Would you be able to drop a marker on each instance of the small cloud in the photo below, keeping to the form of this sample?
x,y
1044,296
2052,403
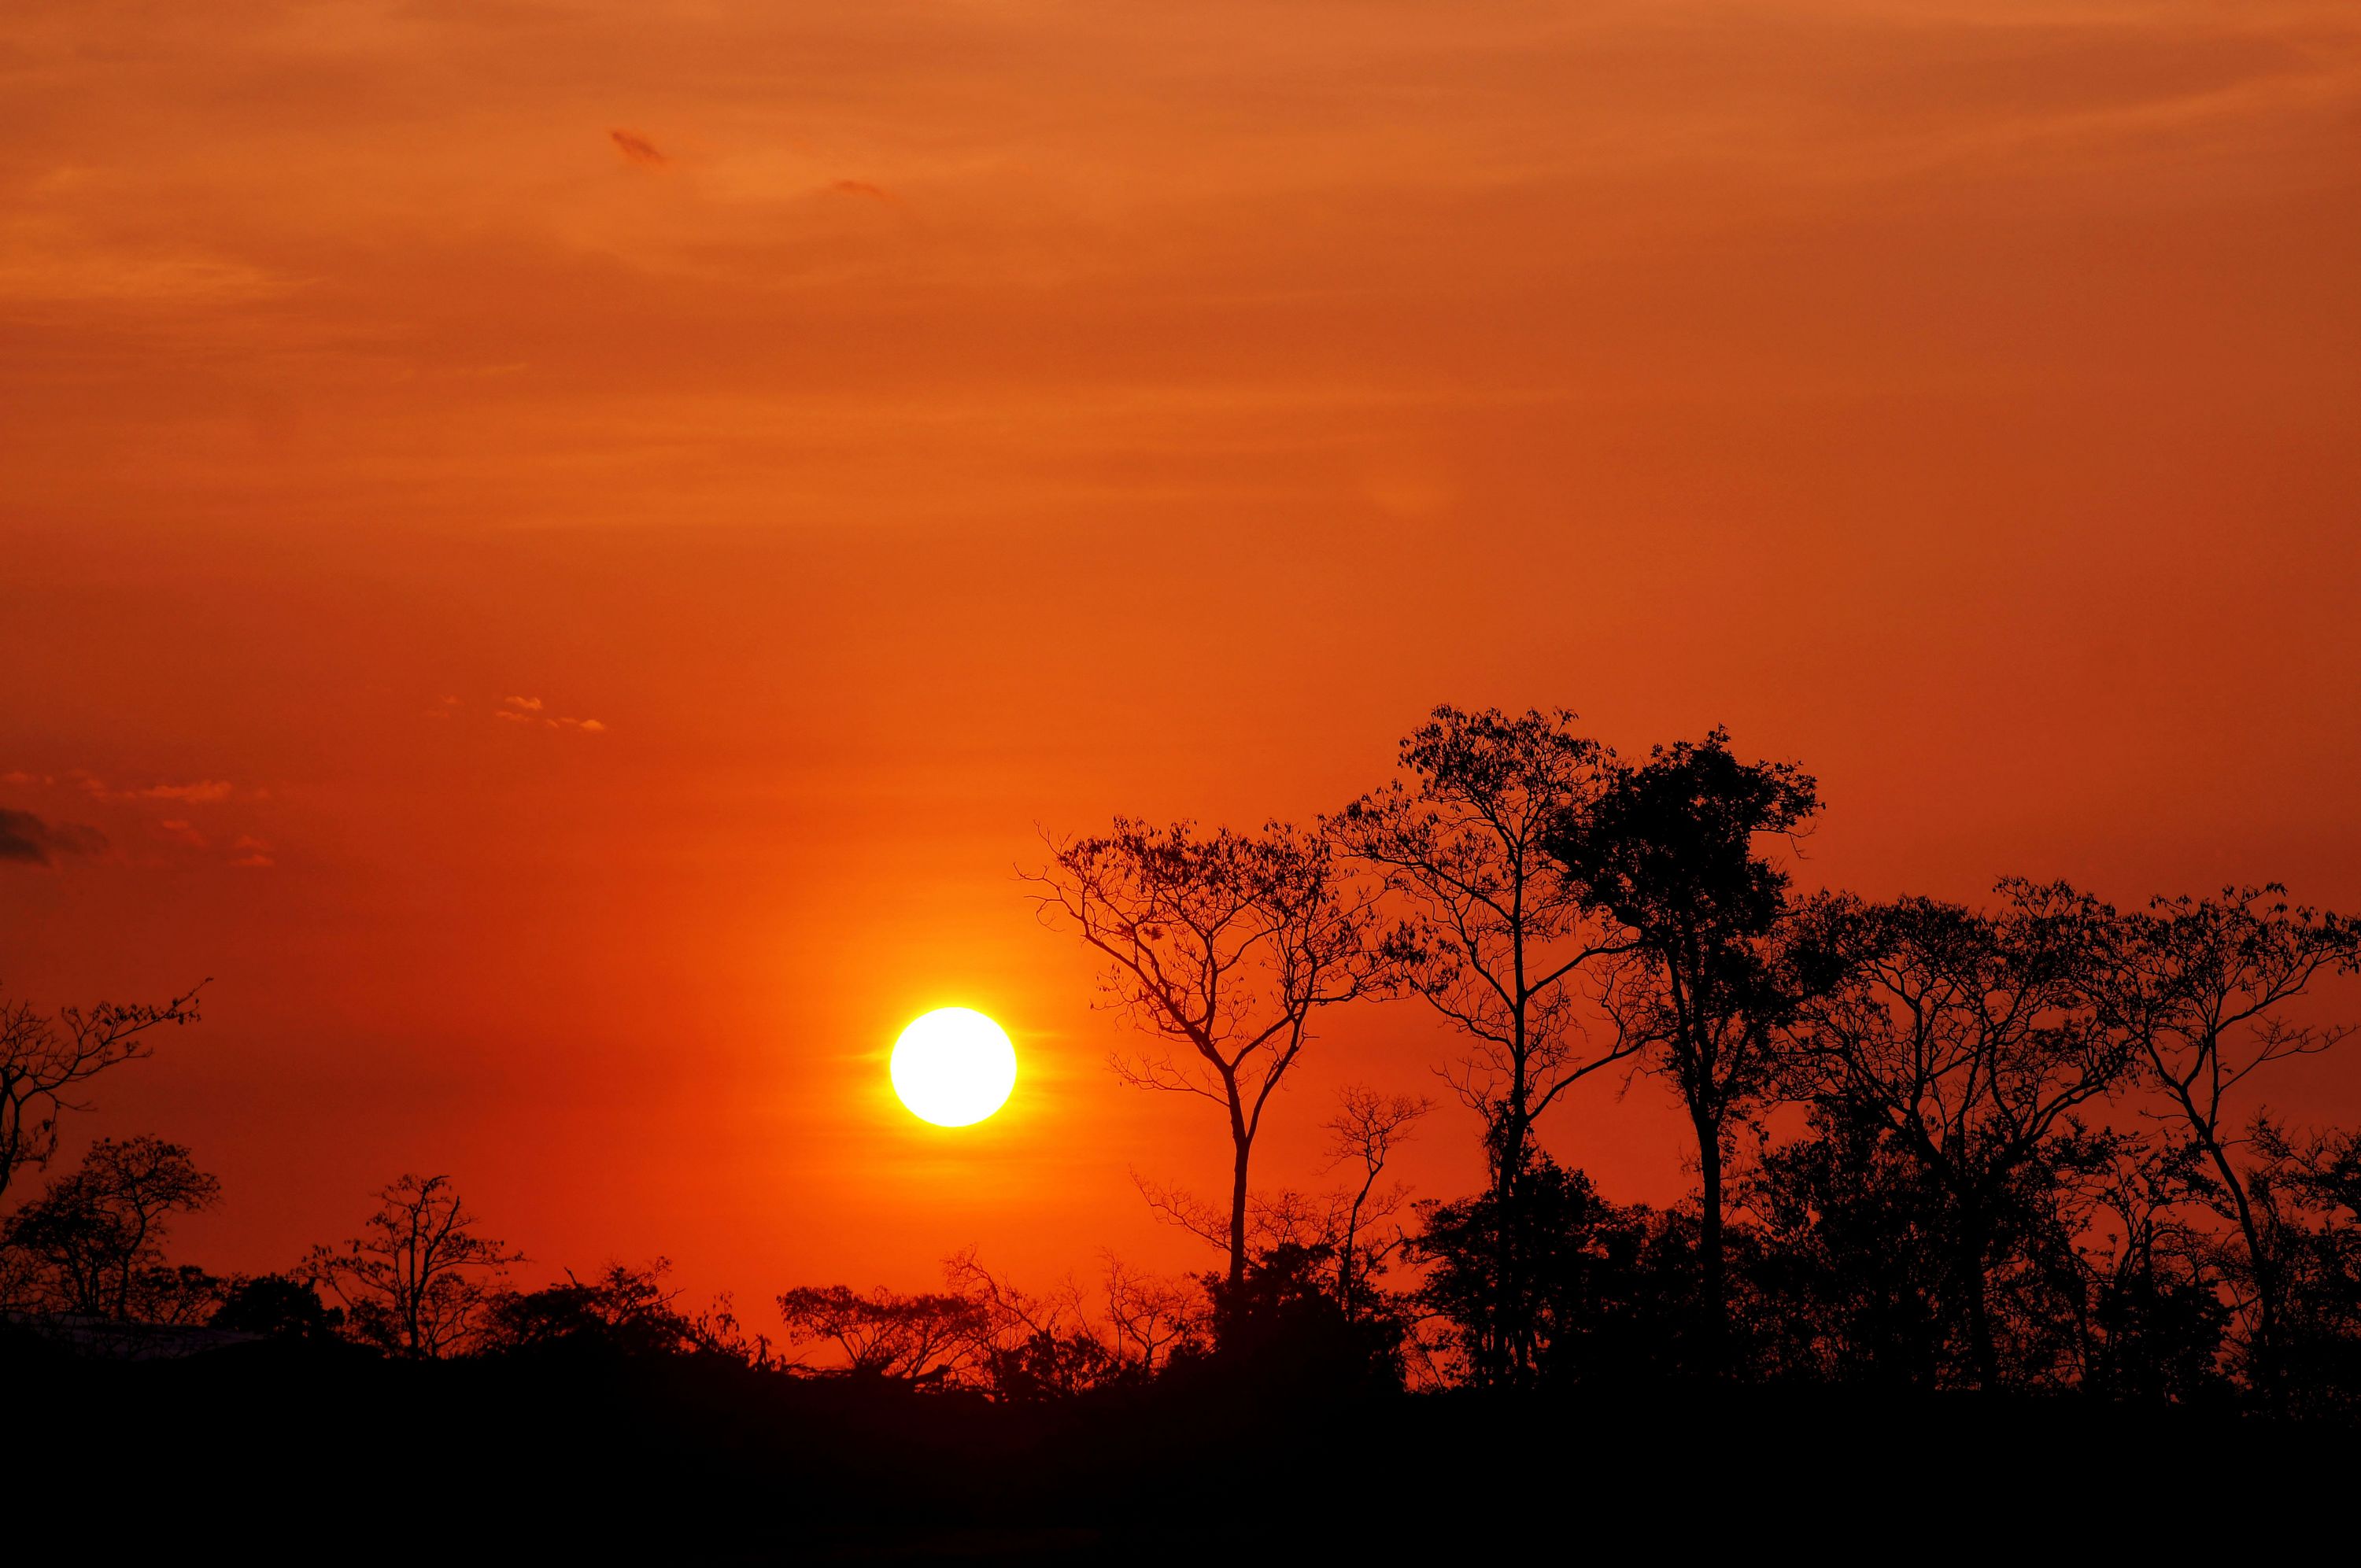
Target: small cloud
x,y
27,840
256,859
638,148
185,831
251,851
450,702
18,776
533,710
204,793
860,187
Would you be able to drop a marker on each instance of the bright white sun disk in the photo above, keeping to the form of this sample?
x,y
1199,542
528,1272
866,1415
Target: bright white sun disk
x,y
954,1066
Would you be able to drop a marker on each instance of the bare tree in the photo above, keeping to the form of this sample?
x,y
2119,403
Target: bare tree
x,y
1494,936
1150,1316
1972,1037
1363,1133
2206,988
98,1234
44,1059
1221,947
1287,1216
1031,1347
416,1282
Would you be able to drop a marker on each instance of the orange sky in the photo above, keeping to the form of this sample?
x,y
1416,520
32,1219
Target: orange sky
x,y
899,424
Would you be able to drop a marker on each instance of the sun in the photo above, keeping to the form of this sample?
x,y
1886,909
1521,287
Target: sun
x,y
954,1066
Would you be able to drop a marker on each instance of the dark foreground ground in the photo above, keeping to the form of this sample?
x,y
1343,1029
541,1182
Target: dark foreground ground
x,y
282,1454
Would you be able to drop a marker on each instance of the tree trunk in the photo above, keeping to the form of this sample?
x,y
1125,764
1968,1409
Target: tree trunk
x,y
1238,1215
1508,1333
1982,1352
1712,1287
2259,1258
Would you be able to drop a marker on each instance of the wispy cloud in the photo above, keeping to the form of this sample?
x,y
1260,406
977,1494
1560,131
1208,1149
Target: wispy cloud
x,y
860,187
27,839
251,852
200,791
638,148
533,710
203,792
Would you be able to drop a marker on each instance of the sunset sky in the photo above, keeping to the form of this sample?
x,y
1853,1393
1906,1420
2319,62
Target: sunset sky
x,y
561,552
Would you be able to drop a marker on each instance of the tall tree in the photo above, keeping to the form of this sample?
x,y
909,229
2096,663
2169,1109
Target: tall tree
x,y
2206,988
417,1281
1495,938
1671,849
45,1059
1972,1037
1221,947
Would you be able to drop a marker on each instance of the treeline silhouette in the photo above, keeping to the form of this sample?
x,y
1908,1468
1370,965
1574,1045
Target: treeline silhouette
x,y
1985,1177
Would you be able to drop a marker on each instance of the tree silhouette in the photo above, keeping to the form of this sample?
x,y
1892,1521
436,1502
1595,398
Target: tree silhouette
x,y
416,1281
882,1333
1149,1317
43,1058
277,1306
2206,985
1224,946
1604,1286
1283,1330
98,1234
1669,850
1493,936
1363,1133
2151,1327
1032,1348
619,1314
1857,1258
1972,1037
2309,1191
